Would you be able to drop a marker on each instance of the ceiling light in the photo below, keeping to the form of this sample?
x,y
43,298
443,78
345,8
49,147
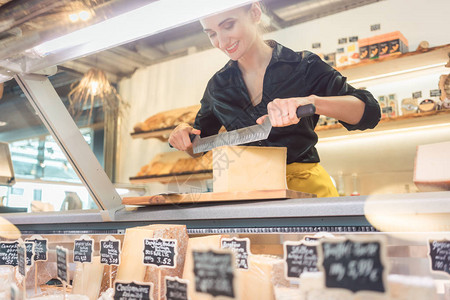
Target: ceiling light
x,y
74,18
147,20
3,123
84,15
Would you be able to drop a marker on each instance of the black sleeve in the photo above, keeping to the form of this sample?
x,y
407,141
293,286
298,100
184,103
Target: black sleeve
x,y
323,80
206,121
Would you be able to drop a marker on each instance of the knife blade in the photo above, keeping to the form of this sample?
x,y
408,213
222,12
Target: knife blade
x,y
243,135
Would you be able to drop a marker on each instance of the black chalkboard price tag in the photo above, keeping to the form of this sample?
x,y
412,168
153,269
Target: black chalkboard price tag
x,y
82,249
62,264
133,290
8,254
214,272
21,258
160,252
176,289
354,264
30,253
241,250
110,251
40,247
300,257
439,254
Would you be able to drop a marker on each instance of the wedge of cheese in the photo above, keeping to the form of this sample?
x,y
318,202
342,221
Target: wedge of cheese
x,y
245,168
132,266
265,272
88,278
287,293
212,242
402,287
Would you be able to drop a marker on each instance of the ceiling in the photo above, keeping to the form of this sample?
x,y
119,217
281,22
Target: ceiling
x,y
19,17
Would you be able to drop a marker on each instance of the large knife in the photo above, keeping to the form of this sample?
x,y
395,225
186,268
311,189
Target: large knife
x,y
243,135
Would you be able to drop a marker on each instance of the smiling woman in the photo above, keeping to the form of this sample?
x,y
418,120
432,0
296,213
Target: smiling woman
x,y
264,79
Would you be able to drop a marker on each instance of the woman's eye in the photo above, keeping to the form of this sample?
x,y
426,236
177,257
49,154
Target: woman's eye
x,y
229,25
211,35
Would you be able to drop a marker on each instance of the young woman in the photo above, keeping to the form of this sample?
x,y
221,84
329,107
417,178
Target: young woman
x,y
264,79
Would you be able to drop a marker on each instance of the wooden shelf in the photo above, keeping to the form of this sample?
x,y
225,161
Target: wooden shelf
x,y
405,121
178,177
396,63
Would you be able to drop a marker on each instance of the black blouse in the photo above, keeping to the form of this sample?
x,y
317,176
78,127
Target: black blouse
x,y
289,74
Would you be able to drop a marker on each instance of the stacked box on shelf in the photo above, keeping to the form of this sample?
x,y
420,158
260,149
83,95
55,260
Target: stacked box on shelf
x,y
383,45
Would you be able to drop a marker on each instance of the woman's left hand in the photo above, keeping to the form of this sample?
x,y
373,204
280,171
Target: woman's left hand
x,y
283,112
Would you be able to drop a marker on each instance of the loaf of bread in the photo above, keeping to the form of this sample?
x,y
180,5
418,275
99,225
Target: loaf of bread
x,y
167,119
161,165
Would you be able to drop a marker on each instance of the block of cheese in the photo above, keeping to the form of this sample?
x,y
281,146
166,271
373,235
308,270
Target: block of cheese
x,y
287,293
176,232
447,291
402,287
432,167
132,255
88,278
212,242
246,168
6,276
132,267
264,273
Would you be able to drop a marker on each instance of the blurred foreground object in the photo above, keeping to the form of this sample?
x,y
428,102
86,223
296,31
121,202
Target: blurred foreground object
x,y
432,167
8,230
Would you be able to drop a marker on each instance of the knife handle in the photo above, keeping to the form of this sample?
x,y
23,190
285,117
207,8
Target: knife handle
x,y
191,137
306,110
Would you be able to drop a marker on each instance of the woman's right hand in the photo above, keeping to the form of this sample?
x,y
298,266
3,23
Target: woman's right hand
x,y
179,138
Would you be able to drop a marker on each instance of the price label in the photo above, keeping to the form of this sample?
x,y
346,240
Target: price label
x,y
110,251
8,254
40,247
30,253
133,291
417,95
435,93
300,257
82,249
160,252
354,265
176,289
439,254
214,272
62,264
241,250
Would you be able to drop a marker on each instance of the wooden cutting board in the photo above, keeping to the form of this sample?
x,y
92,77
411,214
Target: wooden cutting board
x,y
163,199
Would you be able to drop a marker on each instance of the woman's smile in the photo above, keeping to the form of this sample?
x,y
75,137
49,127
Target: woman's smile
x,y
233,48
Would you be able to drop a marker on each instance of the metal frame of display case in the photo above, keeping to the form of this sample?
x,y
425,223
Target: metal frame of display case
x,y
424,212
50,108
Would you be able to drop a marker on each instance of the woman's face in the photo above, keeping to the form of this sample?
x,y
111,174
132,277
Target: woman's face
x,y
233,32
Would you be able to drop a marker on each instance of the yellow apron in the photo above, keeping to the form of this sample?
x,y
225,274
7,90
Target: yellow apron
x,y
310,178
